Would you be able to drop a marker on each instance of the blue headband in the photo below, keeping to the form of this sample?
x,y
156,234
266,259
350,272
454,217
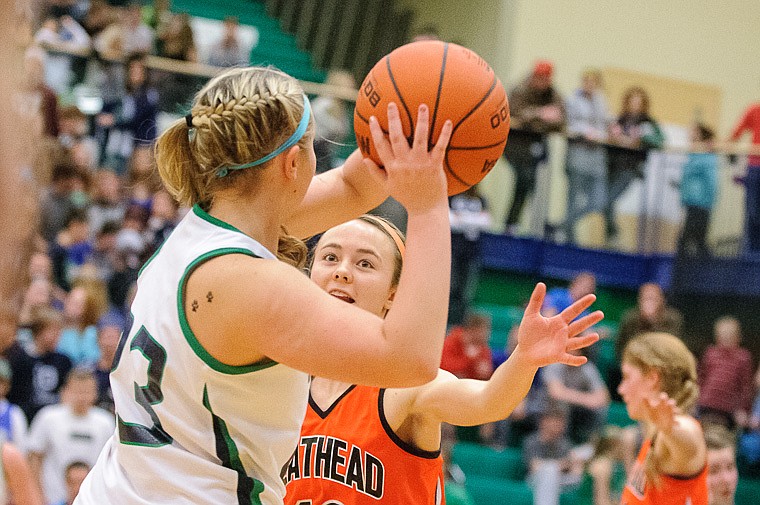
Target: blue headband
x,y
291,141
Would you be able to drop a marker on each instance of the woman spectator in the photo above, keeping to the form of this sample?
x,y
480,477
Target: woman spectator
x,y
87,301
175,39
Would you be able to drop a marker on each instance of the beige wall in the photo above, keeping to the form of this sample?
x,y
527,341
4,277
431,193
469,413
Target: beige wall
x,y
708,43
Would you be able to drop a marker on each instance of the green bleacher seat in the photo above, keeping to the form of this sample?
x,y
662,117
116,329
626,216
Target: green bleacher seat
x,y
748,492
617,415
479,460
492,491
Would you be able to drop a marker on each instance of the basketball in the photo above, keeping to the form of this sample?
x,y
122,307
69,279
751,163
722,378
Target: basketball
x,y
456,84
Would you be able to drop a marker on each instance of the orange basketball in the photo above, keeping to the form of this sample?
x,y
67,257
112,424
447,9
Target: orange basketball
x,y
456,84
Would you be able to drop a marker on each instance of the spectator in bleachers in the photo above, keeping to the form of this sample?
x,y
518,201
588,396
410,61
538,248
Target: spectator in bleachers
x,y
164,215
39,373
586,160
558,299
56,203
127,36
582,393
108,203
73,134
105,254
64,33
725,377
71,249
229,51
13,425
332,121
131,121
469,217
38,295
750,122
74,476
536,108
632,135
85,304
699,189
722,474
110,327
466,353
175,38
74,430
552,465
37,95
604,476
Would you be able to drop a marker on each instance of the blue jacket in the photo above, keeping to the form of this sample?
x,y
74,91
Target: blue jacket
x,y
699,183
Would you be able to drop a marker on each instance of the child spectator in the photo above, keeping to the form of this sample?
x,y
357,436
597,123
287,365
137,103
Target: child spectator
x,y
12,419
75,475
465,351
73,431
722,474
725,377
72,248
699,187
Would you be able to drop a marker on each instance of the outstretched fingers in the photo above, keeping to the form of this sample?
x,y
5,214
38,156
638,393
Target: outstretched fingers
x,y
584,323
536,300
439,150
576,343
573,360
577,308
421,130
399,143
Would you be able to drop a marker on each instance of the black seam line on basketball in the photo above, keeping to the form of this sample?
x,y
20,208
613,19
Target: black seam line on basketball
x,y
473,148
485,97
367,121
447,167
398,93
438,94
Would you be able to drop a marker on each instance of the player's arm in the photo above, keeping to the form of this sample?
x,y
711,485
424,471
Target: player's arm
x,y
541,341
338,195
18,477
679,437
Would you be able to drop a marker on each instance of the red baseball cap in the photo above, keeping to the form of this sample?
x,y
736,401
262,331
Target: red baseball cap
x,y
543,68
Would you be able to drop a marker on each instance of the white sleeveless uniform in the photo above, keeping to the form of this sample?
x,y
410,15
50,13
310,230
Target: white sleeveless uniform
x,y
192,430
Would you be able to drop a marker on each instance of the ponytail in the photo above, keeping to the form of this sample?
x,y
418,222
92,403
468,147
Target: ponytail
x,y
178,169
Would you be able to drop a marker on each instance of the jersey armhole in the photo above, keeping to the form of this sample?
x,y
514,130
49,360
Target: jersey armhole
x,y
405,446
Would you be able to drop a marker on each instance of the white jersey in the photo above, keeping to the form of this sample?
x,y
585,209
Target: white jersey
x,y
190,429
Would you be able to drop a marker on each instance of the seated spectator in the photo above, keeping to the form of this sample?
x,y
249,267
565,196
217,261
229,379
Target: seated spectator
x,y
699,189
553,467
722,474
604,477
13,424
57,204
38,295
38,373
175,38
468,213
99,16
110,327
105,254
725,377
229,50
72,248
108,203
465,351
84,306
127,36
582,393
558,299
73,431
75,475
164,215
64,33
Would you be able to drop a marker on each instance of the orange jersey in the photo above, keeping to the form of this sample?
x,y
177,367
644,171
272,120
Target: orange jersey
x,y
673,491
349,455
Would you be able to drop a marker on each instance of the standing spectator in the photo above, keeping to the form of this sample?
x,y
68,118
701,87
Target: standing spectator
x,y
552,465
86,302
750,122
699,187
631,137
229,50
12,419
582,393
725,377
74,476
39,373
73,431
469,217
332,120
722,474
131,122
536,109
586,162
465,351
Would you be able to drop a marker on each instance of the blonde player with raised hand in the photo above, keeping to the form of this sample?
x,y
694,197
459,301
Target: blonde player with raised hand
x,y
211,382
366,445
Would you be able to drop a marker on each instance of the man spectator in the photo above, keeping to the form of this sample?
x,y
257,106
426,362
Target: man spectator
x,y
465,351
750,122
56,204
229,50
722,474
552,465
72,431
725,377
536,109
110,328
72,248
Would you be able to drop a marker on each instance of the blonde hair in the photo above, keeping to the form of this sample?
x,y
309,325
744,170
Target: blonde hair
x,y
240,116
676,367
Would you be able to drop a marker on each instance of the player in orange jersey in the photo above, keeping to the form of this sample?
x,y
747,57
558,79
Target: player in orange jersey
x,y
659,387
366,445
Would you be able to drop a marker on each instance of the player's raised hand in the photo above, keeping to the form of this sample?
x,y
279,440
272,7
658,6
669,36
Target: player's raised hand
x,y
662,411
547,340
